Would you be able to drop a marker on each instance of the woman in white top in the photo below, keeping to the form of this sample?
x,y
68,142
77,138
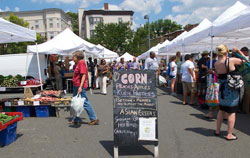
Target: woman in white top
x,y
173,73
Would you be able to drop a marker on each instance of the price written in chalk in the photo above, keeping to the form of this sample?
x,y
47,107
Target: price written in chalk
x,y
20,103
2,89
23,83
36,103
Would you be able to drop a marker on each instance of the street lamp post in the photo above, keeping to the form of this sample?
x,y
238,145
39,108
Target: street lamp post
x,y
147,17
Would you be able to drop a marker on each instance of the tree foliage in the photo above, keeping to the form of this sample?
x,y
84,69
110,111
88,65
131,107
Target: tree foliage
x,y
161,27
14,48
74,16
114,36
121,38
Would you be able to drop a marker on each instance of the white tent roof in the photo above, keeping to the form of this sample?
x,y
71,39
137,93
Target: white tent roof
x,y
126,57
10,32
147,53
234,18
231,28
63,43
172,44
106,53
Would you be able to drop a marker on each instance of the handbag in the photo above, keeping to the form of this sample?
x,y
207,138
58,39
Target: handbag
x,y
234,81
212,94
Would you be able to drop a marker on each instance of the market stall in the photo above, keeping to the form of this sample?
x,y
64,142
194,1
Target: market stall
x,y
10,33
127,57
44,104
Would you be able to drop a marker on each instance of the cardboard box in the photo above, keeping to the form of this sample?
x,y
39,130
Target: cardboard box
x,y
69,74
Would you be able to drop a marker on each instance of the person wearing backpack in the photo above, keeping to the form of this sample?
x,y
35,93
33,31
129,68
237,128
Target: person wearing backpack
x,y
230,82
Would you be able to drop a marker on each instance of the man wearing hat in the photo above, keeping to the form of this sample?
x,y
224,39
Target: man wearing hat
x,y
203,69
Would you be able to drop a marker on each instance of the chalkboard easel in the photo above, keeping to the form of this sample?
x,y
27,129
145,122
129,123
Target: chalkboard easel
x,y
135,109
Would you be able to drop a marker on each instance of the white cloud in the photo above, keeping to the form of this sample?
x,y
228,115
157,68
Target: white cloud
x,y
61,1
194,11
16,9
5,10
135,25
197,15
143,6
113,7
86,3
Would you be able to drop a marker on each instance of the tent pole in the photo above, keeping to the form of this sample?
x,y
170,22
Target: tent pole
x,y
39,69
26,68
211,59
183,54
84,54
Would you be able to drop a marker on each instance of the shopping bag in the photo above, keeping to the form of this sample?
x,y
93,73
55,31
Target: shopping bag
x,y
162,80
77,105
212,94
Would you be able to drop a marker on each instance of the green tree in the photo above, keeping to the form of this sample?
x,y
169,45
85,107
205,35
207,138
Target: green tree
x,y
14,48
74,16
114,36
157,28
140,40
161,27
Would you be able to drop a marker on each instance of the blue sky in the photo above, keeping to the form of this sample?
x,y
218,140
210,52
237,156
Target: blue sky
x,y
181,11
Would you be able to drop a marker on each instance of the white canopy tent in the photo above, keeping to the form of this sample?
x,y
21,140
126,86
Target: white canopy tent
x,y
10,33
106,53
64,43
126,56
147,53
207,35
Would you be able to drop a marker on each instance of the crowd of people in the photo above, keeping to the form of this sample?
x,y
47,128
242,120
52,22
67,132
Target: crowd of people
x,y
185,75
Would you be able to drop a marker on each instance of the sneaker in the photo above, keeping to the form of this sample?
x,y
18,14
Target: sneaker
x,y
94,122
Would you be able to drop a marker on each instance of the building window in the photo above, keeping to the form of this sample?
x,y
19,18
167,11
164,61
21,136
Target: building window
x,y
51,35
119,19
37,24
92,33
95,20
50,23
58,23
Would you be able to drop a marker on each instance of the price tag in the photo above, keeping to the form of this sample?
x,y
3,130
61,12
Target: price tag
x,y
2,89
20,103
23,83
36,103
7,103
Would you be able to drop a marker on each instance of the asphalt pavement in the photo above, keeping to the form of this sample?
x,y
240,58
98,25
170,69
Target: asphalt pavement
x,y
183,133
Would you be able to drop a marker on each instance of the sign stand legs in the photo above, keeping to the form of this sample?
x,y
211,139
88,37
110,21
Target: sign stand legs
x,y
116,154
156,150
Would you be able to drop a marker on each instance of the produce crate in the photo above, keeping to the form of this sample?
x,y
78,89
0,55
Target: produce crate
x,y
42,111
8,135
9,109
26,110
4,126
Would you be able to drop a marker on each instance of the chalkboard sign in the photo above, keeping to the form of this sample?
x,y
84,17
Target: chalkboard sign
x,y
135,107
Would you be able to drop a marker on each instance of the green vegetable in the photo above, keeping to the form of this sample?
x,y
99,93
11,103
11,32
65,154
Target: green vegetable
x,y
5,118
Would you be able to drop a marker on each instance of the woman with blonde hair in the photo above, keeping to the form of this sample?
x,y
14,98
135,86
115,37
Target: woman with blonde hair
x,y
228,97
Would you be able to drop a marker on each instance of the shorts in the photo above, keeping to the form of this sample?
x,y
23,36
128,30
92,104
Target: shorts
x,y
172,77
229,109
189,87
